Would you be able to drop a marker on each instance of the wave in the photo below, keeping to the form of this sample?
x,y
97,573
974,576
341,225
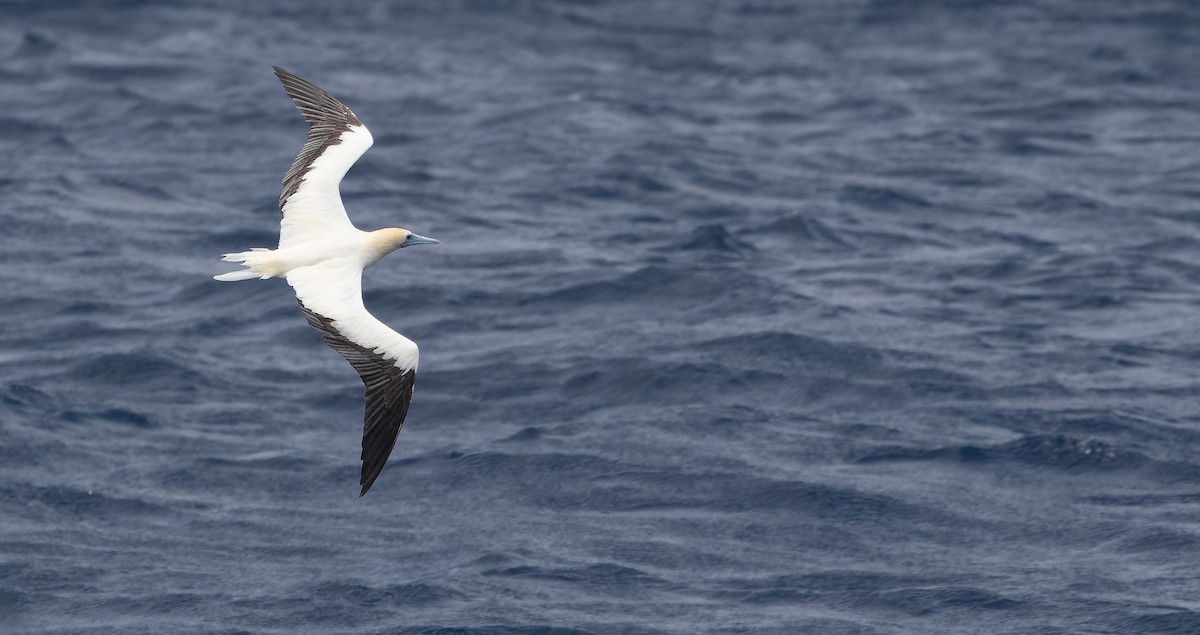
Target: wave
x,y
145,369
663,286
1058,452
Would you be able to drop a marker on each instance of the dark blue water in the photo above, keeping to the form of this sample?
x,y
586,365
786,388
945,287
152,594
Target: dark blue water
x,y
750,317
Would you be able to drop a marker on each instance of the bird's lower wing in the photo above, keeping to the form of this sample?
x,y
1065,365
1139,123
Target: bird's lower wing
x,y
330,296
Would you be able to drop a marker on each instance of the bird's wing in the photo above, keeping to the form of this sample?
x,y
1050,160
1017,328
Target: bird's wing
x,y
310,201
330,295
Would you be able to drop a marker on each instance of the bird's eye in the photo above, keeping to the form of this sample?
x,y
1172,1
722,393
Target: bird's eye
x,y
408,237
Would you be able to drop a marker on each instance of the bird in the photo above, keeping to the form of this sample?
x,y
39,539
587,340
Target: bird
x,y
322,255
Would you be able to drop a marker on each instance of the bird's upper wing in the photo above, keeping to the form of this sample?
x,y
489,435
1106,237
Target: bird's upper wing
x,y
310,201
330,295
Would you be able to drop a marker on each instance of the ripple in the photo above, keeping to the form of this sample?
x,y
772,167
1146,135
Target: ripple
x,y
1047,451
141,369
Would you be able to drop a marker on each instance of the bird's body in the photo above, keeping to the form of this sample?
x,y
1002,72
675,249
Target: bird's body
x,y
362,248
322,256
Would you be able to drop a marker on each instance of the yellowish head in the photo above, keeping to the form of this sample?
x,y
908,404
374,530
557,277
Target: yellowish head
x,y
393,238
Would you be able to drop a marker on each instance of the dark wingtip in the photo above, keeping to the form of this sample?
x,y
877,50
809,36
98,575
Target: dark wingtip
x,y
368,481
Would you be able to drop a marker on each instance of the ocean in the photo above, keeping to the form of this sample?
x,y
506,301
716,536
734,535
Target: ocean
x,y
750,317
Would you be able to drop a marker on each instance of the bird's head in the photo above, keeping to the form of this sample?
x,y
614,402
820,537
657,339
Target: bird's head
x,y
391,239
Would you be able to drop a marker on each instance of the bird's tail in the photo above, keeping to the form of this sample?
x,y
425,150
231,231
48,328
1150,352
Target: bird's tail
x,y
259,264
234,276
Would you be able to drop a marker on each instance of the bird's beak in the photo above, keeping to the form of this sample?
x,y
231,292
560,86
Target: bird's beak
x,y
416,239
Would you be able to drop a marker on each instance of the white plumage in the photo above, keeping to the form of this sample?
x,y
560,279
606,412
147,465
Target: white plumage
x,y
322,256
333,289
316,206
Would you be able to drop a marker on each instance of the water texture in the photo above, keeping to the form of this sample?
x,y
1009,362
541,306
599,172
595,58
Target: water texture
x,y
846,317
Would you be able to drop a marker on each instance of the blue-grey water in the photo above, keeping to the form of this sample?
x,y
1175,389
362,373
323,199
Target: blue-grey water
x,y
848,317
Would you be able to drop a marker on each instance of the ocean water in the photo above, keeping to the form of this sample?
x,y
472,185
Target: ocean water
x,y
834,317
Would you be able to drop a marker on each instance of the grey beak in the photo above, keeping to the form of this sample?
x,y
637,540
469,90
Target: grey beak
x,y
416,239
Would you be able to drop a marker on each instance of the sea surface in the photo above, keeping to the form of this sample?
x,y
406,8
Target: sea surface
x,y
750,317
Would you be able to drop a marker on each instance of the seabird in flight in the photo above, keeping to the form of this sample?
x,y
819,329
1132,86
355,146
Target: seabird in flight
x,y
322,256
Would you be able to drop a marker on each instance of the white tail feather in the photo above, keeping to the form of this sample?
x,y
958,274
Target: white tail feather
x,y
234,276
260,263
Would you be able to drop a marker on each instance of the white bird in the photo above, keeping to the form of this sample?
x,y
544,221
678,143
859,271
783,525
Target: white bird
x,y
322,256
